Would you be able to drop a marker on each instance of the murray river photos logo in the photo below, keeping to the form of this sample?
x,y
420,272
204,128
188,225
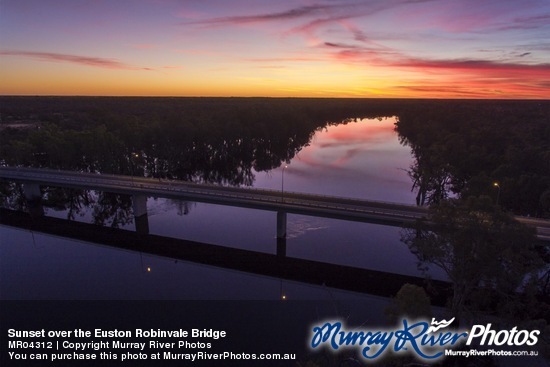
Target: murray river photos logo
x,y
428,341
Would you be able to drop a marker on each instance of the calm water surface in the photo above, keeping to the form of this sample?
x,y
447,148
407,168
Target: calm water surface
x,y
360,159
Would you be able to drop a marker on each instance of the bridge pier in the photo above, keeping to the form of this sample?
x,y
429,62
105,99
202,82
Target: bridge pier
x,y
32,191
139,206
281,224
34,198
281,247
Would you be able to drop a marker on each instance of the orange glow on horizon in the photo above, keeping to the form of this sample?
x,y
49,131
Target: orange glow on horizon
x,y
116,83
282,49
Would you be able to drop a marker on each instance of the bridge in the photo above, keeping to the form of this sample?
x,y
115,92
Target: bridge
x,y
277,201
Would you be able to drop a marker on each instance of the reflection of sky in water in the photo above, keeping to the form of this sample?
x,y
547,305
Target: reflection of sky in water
x,y
39,266
341,242
361,159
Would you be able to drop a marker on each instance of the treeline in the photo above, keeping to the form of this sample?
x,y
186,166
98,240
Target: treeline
x,y
474,148
461,147
217,140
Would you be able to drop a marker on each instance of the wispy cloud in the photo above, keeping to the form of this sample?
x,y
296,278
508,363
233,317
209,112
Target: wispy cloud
x,y
304,47
308,20
356,33
294,13
479,66
446,90
383,56
74,59
527,22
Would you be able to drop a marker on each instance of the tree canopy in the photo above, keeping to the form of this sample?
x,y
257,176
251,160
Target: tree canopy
x,y
482,250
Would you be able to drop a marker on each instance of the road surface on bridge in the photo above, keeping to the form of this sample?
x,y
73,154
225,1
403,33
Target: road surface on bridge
x,y
290,202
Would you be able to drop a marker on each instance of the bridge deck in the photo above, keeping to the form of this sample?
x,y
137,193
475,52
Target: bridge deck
x,y
290,202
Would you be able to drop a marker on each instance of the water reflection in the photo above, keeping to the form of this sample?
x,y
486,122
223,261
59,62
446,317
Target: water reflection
x,y
116,274
360,159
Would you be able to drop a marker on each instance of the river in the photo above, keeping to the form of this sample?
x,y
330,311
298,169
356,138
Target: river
x,y
360,159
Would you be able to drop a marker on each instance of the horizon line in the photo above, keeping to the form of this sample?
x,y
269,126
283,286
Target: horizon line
x,y
269,97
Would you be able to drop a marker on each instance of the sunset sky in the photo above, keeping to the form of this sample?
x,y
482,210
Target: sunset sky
x,y
297,48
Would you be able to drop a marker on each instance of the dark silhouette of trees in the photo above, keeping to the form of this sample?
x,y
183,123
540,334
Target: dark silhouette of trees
x,y
485,252
462,147
214,140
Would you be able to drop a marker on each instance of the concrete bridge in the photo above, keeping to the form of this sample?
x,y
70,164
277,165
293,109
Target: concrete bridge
x,y
277,201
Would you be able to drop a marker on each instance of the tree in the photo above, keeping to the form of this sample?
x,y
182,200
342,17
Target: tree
x,y
410,302
478,246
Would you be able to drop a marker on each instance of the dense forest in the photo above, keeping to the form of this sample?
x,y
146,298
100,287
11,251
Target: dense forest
x,y
203,140
461,147
473,148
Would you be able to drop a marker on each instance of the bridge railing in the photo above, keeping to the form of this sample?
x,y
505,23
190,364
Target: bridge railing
x,y
267,192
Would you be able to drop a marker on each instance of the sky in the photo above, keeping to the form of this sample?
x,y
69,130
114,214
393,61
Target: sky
x,y
285,48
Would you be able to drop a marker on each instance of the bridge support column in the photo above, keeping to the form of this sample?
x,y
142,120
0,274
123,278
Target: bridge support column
x,y
139,205
32,191
281,224
34,198
281,247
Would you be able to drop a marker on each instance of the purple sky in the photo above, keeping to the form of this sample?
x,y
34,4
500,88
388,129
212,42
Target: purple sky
x,y
389,48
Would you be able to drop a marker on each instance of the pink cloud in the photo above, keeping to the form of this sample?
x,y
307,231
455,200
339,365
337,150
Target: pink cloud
x,y
446,91
311,18
476,86
383,56
75,59
479,66
531,22
277,16
478,79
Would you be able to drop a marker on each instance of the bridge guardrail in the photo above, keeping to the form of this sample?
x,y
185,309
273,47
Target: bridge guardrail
x,y
269,192
160,188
